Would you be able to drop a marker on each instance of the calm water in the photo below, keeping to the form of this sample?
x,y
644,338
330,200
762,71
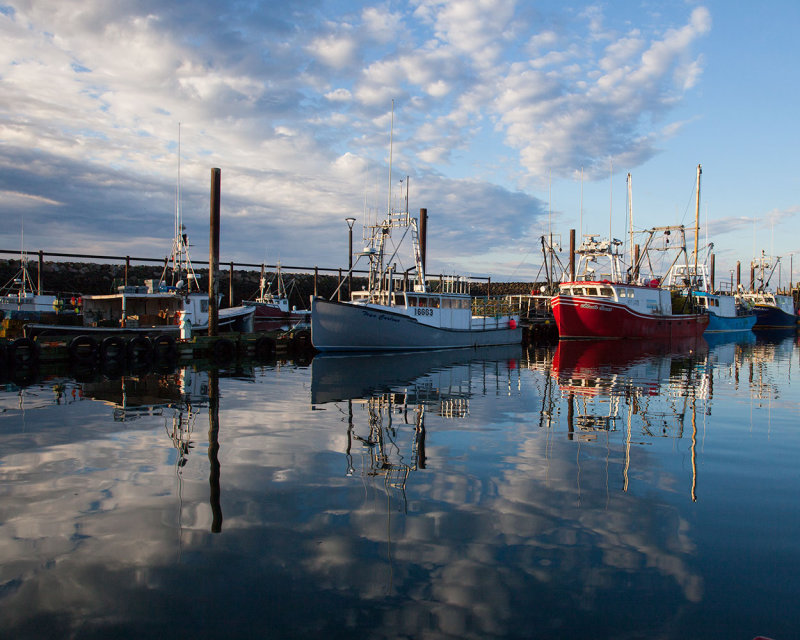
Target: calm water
x,y
592,490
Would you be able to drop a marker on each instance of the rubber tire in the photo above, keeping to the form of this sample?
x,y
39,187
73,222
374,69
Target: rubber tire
x,y
265,348
223,351
164,347
23,351
113,349
139,349
83,349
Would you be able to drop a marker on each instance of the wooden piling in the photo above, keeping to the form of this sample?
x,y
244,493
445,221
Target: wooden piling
x,y
423,236
213,255
572,255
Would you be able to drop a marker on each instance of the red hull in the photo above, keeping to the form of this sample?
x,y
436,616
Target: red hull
x,y
585,317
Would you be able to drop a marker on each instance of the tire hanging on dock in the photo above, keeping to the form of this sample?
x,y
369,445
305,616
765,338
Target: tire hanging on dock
x,y
265,348
223,351
23,351
139,349
113,349
164,347
83,349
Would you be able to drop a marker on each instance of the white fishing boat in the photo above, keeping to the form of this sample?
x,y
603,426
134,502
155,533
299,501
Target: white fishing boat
x,y
393,313
18,297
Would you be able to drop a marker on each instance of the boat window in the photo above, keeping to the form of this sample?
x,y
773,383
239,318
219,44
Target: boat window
x,y
591,291
621,293
606,292
412,301
702,302
578,291
204,306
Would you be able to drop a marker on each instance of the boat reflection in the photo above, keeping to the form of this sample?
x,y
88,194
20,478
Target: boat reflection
x,y
387,392
341,377
647,387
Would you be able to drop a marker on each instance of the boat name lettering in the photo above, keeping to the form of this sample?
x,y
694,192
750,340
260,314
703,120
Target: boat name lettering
x,y
598,307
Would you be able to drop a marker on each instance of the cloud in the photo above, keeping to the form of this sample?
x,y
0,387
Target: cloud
x,y
489,95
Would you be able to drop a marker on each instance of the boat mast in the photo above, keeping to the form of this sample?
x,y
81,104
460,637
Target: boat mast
x,y
697,221
630,216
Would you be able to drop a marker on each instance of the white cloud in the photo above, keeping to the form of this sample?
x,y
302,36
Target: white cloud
x,y
334,51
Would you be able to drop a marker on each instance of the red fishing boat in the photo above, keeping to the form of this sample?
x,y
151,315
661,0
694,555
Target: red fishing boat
x,y
605,302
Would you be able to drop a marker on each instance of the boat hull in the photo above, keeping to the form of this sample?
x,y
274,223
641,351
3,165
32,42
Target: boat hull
x,y
338,326
718,324
769,317
582,317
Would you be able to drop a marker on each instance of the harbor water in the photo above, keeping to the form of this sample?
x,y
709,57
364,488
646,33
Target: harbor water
x,y
614,489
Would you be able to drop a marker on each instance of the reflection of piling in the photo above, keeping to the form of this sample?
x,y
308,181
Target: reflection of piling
x,y
213,451
213,257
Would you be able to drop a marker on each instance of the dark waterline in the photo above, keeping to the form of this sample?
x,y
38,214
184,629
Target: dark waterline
x,y
589,490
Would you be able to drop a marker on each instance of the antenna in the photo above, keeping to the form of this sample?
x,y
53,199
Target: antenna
x,y
391,142
580,225
610,197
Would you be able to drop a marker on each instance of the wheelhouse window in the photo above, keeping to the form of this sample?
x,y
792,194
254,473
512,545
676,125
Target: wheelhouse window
x,y
606,292
578,291
591,291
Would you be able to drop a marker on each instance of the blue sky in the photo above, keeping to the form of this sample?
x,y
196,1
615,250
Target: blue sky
x,y
499,108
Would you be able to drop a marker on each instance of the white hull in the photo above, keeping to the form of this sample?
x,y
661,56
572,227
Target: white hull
x,y
338,326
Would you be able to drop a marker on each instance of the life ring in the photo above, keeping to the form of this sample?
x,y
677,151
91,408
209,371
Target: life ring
x,y
265,348
112,349
83,349
164,347
23,351
223,351
139,348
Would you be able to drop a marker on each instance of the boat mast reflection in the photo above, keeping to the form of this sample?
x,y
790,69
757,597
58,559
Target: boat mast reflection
x,y
653,385
391,394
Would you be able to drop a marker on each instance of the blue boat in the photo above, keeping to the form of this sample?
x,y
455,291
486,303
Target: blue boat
x,y
773,310
724,312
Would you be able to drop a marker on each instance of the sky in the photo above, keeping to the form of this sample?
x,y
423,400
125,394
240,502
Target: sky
x,y
507,120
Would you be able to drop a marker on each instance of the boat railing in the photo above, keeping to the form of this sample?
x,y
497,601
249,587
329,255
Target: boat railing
x,y
492,307
531,306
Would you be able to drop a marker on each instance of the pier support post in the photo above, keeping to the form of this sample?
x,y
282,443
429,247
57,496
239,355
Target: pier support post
x,y
713,269
423,237
39,273
230,290
572,255
213,257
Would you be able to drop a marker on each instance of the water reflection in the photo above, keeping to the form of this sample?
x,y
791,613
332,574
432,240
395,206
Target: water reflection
x,y
581,490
